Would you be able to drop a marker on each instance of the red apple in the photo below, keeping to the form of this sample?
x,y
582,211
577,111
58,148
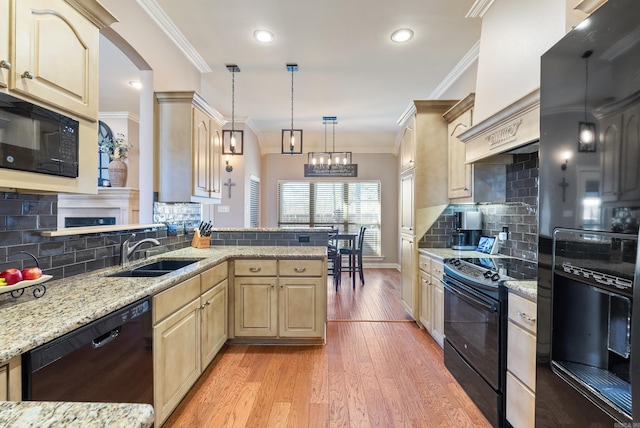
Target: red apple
x,y
12,275
31,273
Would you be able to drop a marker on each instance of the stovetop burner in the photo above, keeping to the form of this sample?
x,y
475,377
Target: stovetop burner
x,y
491,270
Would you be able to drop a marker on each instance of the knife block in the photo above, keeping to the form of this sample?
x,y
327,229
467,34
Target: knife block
x,y
200,241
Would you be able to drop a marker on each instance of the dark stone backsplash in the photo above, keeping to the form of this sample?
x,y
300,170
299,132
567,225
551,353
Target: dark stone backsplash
x,y
519,213
23,217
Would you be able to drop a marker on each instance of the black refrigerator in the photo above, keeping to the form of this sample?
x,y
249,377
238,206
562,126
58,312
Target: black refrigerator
x,y
588,342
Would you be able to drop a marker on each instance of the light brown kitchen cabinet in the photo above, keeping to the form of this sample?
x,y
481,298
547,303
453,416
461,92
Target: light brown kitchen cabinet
x,y
65,78
5,59
406,203
214,303
291,304
409,289
11,380
521,362
190,327
483,181
426,298
620,154
423,188
187,173
408,145
459,118
34,68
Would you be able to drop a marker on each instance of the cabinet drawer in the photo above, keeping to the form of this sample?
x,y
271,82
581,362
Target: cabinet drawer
x,y
437,269
175,298
522,312
521,403
256,267
424,263
300,267
213,276
521,354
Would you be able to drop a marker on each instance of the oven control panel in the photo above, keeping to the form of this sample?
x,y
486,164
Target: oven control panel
x,y
471,272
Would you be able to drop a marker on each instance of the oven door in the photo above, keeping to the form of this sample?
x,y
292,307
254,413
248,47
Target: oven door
x,y
472,327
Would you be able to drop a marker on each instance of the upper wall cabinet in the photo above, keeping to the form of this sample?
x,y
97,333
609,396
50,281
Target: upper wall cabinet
x,y
408,145
54,57
459,119
49,56
5,61
188,143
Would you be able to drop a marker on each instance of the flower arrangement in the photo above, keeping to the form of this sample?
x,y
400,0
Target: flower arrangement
x,y
117,148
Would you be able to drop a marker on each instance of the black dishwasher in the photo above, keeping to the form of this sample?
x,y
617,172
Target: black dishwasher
x,y
107,360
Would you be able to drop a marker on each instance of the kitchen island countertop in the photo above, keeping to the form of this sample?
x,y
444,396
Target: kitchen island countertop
x,y
72,302
75,415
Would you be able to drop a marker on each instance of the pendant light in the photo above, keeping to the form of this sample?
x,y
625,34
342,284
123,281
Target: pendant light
x,y
232,140
330,163
586,129
291,138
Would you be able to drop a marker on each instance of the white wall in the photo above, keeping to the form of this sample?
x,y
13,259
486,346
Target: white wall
x,y
371,166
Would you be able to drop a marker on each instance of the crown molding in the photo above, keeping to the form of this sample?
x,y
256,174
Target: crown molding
x,y
467,60
153,9
479,8
118,115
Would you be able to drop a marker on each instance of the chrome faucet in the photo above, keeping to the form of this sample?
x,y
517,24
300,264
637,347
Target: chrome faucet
x,y
126,251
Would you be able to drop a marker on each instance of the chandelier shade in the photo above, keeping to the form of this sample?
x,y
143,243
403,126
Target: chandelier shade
x,y
291,138
586,129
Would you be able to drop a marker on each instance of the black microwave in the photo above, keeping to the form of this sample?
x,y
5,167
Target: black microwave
x,y
35,139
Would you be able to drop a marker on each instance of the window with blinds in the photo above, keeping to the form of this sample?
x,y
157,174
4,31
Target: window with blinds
x,y
343,205
254,202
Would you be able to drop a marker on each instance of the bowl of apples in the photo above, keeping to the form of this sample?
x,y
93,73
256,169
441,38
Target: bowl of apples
x,y
15,280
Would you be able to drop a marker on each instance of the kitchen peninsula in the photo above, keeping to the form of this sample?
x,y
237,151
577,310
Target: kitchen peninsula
x,y
76,301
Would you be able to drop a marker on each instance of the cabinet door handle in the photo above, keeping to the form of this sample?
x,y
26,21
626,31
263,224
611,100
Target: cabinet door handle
x,y
300,269
208,303
27,75
255,269
5,64
273,285
527,317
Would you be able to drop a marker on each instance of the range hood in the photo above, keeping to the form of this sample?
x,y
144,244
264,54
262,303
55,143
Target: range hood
x,y
514,35
515,129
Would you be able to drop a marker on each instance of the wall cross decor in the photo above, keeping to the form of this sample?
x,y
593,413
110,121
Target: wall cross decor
x,y
229,184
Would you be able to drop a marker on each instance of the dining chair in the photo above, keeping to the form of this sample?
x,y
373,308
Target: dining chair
x,y
335,259
356,257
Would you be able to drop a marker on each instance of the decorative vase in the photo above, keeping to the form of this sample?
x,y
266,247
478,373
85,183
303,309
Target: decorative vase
x,y
117,173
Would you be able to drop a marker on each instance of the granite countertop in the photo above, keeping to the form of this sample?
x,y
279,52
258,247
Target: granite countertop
x,y
70,303
75,415
527,289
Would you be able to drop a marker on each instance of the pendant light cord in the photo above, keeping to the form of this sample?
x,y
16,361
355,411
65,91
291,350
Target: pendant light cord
x,y
233,101
292,100
586,56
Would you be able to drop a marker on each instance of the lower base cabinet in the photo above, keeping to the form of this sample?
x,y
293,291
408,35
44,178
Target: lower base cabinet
x,y
432,297
190,326
11,380
521,362
280,298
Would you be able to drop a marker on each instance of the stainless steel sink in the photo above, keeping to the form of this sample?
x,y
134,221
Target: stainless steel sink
x,y
157,268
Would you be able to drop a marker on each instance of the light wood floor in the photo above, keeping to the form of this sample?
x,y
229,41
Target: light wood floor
x,y
378,369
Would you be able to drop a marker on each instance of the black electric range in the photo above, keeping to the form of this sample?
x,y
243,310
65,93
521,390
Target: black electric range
x,y
490,272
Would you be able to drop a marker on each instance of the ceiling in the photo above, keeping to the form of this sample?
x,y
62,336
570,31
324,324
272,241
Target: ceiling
x,y
348,65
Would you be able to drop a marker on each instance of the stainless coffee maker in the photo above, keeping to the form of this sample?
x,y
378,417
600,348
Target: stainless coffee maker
x,y
468,230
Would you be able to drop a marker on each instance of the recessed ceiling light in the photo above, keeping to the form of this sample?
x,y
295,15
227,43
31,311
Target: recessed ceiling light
x,y
135,84
402,35
263,36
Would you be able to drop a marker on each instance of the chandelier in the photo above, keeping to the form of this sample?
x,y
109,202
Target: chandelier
x,y
330,163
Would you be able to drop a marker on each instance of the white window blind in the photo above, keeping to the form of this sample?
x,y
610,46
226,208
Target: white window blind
x,y
254,202
344,205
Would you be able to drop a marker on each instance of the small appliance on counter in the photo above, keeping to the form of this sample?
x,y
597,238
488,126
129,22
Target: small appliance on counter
x,y
468,230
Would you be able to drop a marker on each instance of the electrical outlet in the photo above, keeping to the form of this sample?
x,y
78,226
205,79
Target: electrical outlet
x,y
223,208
